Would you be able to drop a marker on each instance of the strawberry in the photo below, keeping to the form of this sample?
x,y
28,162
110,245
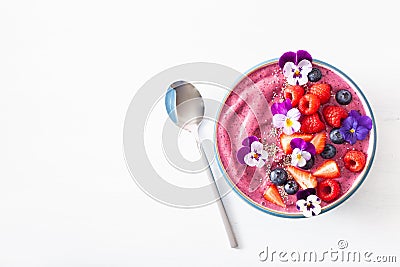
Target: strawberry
x,y
294,93
354,160
328,169
322,90
309,104
272,195
285,140
312,124
319,141
304,178
328,190
334,114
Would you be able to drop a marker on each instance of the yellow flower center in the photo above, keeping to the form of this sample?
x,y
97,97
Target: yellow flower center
x,y
352,130
289,122
298,156
297,73
255,156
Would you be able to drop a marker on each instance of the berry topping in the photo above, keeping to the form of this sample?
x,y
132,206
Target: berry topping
x,y
286,139
272,195
304,178
322,90
314,75
354,160
309,104
336,137
319,141
329,151
309,163
328,169
328,190
312,124
334,114
278,176
343,97
294,93
291,187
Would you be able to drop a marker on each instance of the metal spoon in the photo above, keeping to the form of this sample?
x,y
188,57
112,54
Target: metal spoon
x,y
185,107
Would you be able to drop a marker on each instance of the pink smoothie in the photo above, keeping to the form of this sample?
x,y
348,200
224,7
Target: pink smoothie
x,y
247,112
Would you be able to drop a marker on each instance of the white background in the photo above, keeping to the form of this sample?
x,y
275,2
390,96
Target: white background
x,y
68,71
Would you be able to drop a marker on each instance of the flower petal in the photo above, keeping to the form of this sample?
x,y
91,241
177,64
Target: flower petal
x,y
347,123
355,114
249,160
278,120
248,140
314,199
243,151
299,143
288,69
308,213
264,154
361,132
310,148
288,104
365,121
281,108
288,130
256,147
302,162
316,210
301,204
306,155
260,163
293,114
296,126
305,67
302,54
303,194
287,57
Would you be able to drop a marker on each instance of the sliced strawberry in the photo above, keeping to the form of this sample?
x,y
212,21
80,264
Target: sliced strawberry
x,y
334,114
319,141
328,169
304,178
328,190
309,104
286,139
322,91
312,124
294,93
354,160
272,195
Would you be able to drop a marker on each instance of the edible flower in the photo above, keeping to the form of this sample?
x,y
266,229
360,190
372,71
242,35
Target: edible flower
x,y
252,152
296,66
286,117
355,127
308,203
302,152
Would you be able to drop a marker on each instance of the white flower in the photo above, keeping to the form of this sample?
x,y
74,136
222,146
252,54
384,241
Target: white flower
x,y
300,157
297,74
257,155
288,122
309,207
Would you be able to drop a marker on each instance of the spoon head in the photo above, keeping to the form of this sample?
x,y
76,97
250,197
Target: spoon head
x,y
184,104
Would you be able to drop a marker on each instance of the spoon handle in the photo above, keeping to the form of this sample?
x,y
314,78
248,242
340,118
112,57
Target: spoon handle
x,y
220,204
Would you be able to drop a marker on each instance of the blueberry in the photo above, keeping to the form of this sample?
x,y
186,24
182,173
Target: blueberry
x,y
278,176
336,137
314,75
309,163
329,151
291,187
343,97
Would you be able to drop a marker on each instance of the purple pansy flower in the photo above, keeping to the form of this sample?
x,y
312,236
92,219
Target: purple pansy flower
x,y
286,117
296,66
252,152
302,152
355,127
308,203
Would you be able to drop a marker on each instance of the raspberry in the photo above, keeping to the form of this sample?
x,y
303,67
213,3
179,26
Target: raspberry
x,y
354,160
309,104
328,190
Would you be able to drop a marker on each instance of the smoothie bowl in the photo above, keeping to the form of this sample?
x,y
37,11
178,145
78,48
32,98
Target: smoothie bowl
x,y
296,137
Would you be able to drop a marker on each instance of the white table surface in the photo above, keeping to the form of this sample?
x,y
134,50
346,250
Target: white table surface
x,y
68,71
